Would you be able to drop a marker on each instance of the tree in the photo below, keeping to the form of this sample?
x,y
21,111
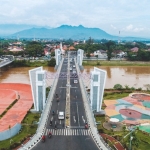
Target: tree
x,y
110,45
118,86
88,55
52,62
52,54
127,87
34,49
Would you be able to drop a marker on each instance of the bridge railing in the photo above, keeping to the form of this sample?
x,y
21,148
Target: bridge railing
x,y
90,116
44,117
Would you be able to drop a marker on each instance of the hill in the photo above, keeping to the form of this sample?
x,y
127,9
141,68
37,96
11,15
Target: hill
x,y
64,32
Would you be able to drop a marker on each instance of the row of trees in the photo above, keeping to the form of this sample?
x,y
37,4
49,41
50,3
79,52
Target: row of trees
x,y
34,48
111,47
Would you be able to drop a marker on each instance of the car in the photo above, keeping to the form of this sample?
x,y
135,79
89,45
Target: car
x,y
74,71
75,81
61,115
70,69
74,66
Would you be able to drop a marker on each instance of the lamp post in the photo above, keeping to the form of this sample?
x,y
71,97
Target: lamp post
x,y
131,138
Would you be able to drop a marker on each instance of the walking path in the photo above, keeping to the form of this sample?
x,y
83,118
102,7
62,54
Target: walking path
x,y
116,143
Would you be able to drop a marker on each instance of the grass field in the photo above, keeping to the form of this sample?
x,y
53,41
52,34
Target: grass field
x,y
115,63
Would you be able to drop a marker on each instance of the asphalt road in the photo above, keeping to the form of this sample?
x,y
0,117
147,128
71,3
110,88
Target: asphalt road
x,y
76,137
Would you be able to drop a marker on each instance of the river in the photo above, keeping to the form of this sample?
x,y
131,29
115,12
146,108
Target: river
x,y
134,76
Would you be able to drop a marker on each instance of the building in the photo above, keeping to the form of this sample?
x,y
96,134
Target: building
x,y
98,79
38,87
80,54
61,49
57,56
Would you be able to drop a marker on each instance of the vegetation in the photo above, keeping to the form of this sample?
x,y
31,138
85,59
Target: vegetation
x,y
140,139
115,63
34,49
28,129
29,63
115,95
118,86
52,62
52,54
47,91
3,113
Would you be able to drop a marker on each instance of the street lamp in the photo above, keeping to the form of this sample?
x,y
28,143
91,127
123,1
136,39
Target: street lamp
x,y
131,138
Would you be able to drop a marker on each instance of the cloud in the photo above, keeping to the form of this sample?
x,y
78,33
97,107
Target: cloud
x,y
112,26
104,14
131,28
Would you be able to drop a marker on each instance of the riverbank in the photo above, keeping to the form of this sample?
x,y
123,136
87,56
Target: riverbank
x,y
115,63
37,63
33,63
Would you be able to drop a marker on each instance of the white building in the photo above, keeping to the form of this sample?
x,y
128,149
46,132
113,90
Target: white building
x,y
57,56
61,49
38,87
80,54
98,79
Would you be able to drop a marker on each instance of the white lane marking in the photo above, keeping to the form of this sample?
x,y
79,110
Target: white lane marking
x,y
60,121
78,114
52,118
74,119
83,119
55,122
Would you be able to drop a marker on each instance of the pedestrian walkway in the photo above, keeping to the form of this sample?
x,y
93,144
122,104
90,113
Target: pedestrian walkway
x,y
69,132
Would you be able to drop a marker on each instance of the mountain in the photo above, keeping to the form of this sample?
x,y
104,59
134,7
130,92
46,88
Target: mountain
x,y
64,32
8,29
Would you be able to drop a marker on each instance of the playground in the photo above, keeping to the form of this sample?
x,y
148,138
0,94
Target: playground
x,y
131,110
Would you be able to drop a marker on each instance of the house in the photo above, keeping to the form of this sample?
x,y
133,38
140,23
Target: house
x,y
134,50
71,48
15,49
100,53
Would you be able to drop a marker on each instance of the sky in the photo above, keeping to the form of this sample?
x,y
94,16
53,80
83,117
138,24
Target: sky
x,y
116,17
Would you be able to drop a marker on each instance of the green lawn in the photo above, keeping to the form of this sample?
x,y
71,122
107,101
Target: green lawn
x,y
114,96
115,63
27,131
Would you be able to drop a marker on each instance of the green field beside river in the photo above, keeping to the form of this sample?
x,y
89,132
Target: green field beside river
x,y
115,63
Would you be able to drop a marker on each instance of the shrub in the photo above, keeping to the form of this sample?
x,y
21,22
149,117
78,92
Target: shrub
x,y
52,62
118,86
98,63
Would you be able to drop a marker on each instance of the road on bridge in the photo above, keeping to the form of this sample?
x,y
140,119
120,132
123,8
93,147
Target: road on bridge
x,y
76,137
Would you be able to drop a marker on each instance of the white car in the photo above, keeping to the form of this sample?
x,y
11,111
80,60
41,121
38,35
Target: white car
x,y
75,81
61,115
74,66
74,71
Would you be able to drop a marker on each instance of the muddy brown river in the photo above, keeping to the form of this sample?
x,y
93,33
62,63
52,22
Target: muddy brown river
x,y
137,77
